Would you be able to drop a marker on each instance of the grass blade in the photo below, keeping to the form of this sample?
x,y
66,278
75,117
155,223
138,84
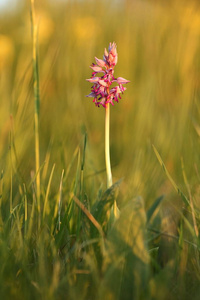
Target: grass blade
x,y
46,208
153,208
88,214
25,211
191,200
34,27
184,198
57,209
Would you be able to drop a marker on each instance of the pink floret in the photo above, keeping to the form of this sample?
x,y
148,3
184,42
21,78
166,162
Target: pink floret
x,y
101,91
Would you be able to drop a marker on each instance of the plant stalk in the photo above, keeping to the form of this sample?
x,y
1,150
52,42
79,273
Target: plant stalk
x,y
107,155
107,146
37,103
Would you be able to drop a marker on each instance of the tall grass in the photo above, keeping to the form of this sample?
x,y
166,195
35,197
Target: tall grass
x,y
56,240
36,85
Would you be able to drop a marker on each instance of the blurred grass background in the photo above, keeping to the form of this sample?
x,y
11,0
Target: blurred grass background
x,y
158,46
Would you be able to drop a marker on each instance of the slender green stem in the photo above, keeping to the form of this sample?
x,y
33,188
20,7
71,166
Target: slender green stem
x,y
25,211
107,146
11,177
107,156
37,102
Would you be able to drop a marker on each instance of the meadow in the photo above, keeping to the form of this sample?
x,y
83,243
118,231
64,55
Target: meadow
x,y
57,239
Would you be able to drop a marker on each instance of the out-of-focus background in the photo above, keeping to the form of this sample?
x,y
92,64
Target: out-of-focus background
x,y
158,45
49,249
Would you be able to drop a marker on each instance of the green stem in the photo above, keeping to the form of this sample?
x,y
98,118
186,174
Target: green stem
x,y
11,176
37,103
107,146
107,155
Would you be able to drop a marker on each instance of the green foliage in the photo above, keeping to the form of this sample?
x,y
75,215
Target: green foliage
x,y
126,257
67,245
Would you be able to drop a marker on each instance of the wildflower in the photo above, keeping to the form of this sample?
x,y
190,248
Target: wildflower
x,y
101,91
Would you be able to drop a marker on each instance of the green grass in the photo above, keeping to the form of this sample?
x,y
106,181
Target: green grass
x,y
57,240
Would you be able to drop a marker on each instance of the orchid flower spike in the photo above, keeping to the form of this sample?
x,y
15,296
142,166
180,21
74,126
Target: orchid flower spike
x,y
101,91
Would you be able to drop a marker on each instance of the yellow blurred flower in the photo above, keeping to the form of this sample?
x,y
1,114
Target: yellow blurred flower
x,y
190,19
6,51
86,28
46,27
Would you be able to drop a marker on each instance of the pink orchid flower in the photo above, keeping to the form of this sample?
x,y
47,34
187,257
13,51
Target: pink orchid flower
x,y
101,91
